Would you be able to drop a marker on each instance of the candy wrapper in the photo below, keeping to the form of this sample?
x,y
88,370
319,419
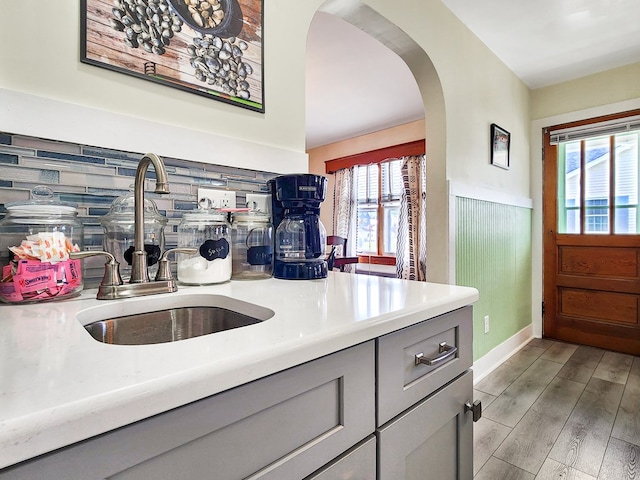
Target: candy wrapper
x,y
41,270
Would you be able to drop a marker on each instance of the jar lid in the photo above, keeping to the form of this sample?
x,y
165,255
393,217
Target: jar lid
x,y
42,202
123,211
205,214
251,216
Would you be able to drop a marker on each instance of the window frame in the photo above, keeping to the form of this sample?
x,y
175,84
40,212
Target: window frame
x,y
413,148
382,203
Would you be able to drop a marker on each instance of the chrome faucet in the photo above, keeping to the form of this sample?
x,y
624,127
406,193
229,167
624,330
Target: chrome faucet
x,y
139,268
139,284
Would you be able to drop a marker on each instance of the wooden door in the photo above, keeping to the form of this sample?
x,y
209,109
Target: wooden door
x,y
591,267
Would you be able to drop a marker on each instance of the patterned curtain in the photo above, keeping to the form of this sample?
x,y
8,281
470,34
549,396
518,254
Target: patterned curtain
x,y
411,253
344,208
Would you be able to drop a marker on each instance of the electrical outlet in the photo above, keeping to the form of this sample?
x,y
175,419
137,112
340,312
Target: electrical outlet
x,y
486,324
259,201
209,198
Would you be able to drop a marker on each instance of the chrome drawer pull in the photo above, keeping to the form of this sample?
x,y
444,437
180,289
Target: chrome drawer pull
x,y
475,408
445,350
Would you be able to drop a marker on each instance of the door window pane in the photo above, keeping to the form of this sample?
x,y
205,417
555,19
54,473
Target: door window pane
x,y
569,188
596,185
626,183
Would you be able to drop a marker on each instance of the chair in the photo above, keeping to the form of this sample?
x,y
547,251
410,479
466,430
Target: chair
x,y
336,241
337,257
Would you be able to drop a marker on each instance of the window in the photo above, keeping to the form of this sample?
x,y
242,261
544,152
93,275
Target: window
x,y
379,189
599,175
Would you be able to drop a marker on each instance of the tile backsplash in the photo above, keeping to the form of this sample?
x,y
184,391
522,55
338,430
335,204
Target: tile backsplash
x,y
92,177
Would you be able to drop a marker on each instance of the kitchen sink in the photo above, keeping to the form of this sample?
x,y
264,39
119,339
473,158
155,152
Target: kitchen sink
x,y
193,316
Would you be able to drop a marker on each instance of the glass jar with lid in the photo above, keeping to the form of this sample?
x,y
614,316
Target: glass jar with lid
x,y
119,233
252,238
209,232
36,237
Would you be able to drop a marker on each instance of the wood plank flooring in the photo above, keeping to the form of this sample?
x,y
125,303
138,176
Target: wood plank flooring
x,y
559,411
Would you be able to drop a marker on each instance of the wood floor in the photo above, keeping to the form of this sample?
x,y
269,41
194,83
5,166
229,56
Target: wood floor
x,y
559,411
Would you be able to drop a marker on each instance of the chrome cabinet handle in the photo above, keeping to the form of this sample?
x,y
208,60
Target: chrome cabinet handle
x,y
475,408
446,351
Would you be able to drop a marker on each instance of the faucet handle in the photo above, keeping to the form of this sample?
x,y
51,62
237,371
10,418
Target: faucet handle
x,y
111,275
164,272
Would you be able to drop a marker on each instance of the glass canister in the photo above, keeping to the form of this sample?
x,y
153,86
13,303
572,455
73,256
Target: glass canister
x,y
252,239
209,232
119,233
36,237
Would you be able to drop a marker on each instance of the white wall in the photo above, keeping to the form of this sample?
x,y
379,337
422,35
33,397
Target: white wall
x,y
40,59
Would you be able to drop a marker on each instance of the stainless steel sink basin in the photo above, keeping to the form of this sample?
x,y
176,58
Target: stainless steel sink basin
x,y
179,322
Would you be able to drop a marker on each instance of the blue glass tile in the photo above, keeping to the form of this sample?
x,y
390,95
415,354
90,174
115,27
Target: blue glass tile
x,y
98,211
5,139
70,156
175,162
185,205
83,199
131,172
8,158
6,183
111,154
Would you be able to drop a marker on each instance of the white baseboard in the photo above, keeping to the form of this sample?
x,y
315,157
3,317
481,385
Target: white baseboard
x,y
489,362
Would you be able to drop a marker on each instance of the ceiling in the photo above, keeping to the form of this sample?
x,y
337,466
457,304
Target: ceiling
x,y
355,85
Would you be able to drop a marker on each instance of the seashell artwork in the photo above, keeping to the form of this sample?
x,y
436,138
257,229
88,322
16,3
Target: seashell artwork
x,y
212,48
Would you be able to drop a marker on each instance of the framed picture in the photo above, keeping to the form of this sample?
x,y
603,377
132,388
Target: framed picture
x,y
500,139
212,48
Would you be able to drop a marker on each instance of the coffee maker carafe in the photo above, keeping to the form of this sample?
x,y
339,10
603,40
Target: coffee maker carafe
x,y
300,238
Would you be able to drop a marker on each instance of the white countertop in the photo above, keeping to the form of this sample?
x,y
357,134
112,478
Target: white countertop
x,y
58,385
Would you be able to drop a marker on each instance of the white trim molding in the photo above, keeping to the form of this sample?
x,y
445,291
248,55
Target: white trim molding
x,y
492,360
475,192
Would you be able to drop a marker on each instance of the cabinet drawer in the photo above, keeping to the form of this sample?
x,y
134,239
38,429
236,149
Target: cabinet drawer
x,y
402,383
356,464
284,427
432,440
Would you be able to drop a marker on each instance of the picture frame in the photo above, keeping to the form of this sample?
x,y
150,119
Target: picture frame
x,y
212,48
500,143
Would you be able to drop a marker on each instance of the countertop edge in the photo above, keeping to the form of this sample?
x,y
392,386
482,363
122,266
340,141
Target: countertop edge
x,y
47,430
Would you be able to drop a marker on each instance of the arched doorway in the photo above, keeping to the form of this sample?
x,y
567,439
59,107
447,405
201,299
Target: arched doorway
x,y
371,22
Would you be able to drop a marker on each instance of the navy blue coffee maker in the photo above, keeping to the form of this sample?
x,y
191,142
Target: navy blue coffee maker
x,y
300,238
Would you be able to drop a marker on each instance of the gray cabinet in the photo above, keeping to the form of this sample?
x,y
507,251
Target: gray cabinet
x,y
401,382
284,427
431,440
359,463
424,430
316,421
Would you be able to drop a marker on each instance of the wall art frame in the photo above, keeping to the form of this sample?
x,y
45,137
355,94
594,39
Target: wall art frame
x,y
213,48
500,145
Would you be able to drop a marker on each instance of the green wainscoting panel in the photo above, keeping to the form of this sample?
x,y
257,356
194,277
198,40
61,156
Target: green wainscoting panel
x,y
493,254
